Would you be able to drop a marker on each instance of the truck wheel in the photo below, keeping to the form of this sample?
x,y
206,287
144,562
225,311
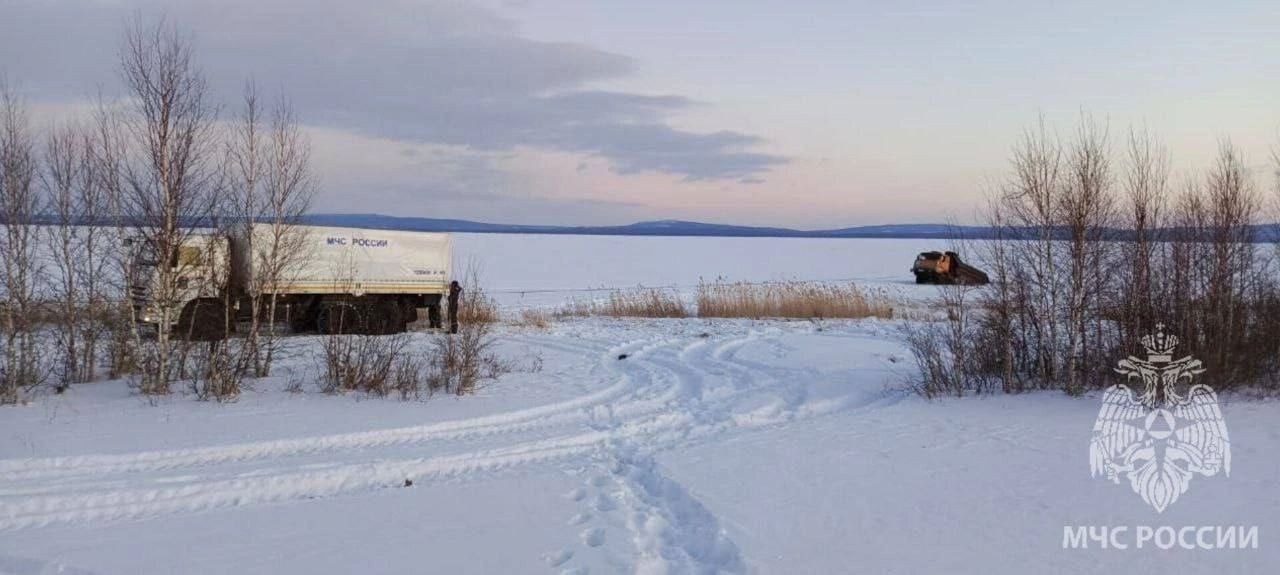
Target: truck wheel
x,y
202,320
339,317
388,318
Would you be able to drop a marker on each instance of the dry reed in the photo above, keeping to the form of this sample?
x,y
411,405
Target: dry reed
x,y
639,302
533,318
792,299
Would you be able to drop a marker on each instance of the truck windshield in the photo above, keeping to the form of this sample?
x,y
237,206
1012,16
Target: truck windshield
x,y
187,256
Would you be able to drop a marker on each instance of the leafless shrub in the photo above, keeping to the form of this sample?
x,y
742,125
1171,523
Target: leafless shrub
x,y
364,363
461,361
477,306
535,363
295,380
219,369
791,299
408,376
936,361
377,365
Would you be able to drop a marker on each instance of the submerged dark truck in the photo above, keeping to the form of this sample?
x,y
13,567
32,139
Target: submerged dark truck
x,y
946,268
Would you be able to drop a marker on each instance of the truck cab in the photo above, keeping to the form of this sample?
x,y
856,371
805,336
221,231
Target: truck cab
x,y
946,268
200,265
931,267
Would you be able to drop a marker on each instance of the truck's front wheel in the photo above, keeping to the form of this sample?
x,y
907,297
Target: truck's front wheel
x,y
203,320
341,317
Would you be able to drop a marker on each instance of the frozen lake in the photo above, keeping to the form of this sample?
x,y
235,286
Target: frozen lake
x,y
535,270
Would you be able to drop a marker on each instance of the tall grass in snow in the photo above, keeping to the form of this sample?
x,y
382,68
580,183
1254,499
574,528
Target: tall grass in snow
x,y
792,299
639,302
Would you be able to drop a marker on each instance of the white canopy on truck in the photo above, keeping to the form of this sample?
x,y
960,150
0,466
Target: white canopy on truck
x,y
359,261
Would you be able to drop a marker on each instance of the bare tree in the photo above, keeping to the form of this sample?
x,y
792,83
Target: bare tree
x,y
97,251
169,179
19,206
1222,305
245,158
111,292
1139,294
221,362
1031,207
272,190
284,245
1232,203
1001,301
1085,210
65,176
1275,182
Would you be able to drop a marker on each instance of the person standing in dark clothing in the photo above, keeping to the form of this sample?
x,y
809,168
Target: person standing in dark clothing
x,y
455,294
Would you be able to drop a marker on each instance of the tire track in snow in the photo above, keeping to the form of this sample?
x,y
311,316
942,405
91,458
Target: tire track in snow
x,y
129,503
81,502
660,399
163,460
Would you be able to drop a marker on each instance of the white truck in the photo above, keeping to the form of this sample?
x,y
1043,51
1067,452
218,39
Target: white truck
x,y
337,280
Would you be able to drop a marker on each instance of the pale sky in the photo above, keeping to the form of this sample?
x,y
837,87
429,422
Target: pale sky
x,y
802,114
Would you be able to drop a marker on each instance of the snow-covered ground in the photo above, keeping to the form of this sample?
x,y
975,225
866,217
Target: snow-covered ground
x,y
713,446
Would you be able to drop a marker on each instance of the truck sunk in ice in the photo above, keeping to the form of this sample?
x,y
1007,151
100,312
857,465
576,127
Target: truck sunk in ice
x,y
335,280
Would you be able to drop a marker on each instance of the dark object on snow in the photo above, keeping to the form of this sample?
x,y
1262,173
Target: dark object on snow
x,y
408,483
704,335
455,294
622,356
946,268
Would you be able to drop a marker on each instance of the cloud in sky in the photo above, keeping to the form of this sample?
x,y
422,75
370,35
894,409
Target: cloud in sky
x,y
818,114
440,72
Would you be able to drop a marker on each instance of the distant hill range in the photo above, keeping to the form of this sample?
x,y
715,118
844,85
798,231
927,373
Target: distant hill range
x,y
1264,233
654,228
